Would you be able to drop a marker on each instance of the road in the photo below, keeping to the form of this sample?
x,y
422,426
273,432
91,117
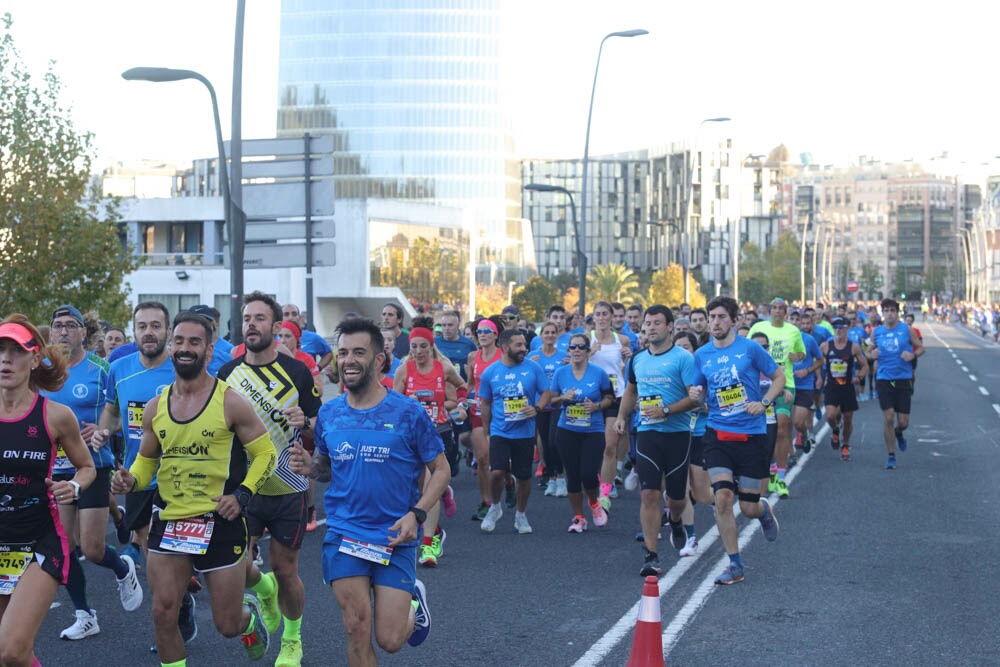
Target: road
x,y
873,567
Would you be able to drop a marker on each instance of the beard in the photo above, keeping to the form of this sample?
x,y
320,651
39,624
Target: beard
x,y
260,345
358,383
157,351
188,370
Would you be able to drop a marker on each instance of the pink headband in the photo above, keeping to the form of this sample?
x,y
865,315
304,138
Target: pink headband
x,y
489,325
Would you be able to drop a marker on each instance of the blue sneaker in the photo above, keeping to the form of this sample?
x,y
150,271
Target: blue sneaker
x,y
731,575
901,442
133,552
185,620
257,642
421,616
768,522
891,463
819,414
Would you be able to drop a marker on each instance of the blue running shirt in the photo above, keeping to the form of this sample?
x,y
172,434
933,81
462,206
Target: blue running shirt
x,y
562,344
457,351
549,365
376,456
662,379
85,394
594,383
731,377
510,389
812,354
891,343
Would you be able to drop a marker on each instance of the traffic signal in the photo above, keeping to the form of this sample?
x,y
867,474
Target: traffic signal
x,y
903,296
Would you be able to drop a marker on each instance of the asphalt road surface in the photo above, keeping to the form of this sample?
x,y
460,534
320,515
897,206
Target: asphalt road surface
x,y
873,567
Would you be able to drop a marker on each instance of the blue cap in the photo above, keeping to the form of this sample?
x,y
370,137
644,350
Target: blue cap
x,y
68,311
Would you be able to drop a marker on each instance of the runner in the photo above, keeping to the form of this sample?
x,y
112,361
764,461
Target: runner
x,y
199,433
845,369
37,554
658,383
786,348
486,333
392,319
311,342
372,445
283,394
894,345
910,319
769,416
434,384
808,382
454,345
726,377
609,351
550,359
84,394
583,391
507,392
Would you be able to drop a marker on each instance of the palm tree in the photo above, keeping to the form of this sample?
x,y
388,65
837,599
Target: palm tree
x,y
612,282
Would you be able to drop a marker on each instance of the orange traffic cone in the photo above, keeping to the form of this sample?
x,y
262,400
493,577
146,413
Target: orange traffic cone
x,y
647,642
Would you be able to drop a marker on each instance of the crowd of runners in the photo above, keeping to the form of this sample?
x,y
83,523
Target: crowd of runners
x,y
212,447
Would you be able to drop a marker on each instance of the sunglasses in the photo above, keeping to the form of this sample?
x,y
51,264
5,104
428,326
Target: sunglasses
x,y
510,317
578,346
484,331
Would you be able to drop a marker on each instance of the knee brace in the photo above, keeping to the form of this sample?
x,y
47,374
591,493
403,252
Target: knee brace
x,y
725,484
748,497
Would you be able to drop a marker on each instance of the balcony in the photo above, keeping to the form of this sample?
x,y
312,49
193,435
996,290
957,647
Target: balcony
x,y
181,259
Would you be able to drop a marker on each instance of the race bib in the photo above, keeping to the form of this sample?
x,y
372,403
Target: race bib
x,y
14,560
732,399
512,408
426,399
769,414
614,383
650,402
376,553
61,462
577,415
188,536
134,419
838,368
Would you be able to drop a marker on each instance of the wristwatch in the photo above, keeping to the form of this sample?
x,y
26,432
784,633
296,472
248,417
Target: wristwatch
x,y
76,489
419,513
242,496
766,402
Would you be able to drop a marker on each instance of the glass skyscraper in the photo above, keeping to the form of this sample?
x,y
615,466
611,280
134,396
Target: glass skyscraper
x,y
411,91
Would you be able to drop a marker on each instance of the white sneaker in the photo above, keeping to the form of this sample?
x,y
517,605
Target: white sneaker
x,y
632,480
129,589
550,488
561,491
599,515
493,515
85,626
690,547
521,523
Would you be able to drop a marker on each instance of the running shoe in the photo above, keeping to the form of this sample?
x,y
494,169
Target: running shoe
x,y
561,490
121,527
901,442
186,622
890,464
448,503
768,522
290,654
78,552
651,565
819,414
782,489
550,488
772,483
421,616
257,642
510,495
493,515
438,541
258,560
579,525
605,503
521,524
480,512
845,453
731,575
599,515
632,481
678,536
690,547
791,460
84,626
311,523
427,557
129,590
807,444
269,611
614,491
540,470
834,439
798,440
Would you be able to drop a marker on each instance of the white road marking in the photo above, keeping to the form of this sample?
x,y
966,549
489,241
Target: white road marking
x,y
982,390
928,440
973,378
964,369
996,407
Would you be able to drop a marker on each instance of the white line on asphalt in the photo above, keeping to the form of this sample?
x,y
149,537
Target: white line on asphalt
x,y
982,390
598,651
965,369
996,406
973,378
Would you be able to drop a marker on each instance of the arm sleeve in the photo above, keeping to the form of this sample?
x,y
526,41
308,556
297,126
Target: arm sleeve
x,y
264,455
143,469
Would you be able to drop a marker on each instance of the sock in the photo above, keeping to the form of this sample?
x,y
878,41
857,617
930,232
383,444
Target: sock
x,y
689,529
835,431
76,585
899,432
650,555
180,663
734,559
415,605
35,663
292,629
774,468
518,514
428,539
266,587
605,489
113,561
781,473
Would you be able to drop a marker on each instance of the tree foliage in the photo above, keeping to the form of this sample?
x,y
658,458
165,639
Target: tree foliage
x,y
426,270
869,282
56,244
773,272
535,297
667,288
612,282
490,299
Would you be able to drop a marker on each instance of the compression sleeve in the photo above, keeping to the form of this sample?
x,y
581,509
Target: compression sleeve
x,y
143,469
263,457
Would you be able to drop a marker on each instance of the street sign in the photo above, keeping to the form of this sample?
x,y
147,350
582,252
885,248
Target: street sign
x,y
852,286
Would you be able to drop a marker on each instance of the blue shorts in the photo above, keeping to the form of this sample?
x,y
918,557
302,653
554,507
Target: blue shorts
x,y
401,572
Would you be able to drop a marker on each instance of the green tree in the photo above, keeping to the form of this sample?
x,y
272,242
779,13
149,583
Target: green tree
x,y
564,281
783,266
870,273
535,297
667,288
56,244
753,274
612,282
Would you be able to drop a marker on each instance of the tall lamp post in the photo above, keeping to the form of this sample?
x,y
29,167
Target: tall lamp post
x,y
686,236
582,241
581,261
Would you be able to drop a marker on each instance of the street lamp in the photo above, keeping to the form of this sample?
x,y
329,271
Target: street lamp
x,y
165,74
581,261
686,236
582,242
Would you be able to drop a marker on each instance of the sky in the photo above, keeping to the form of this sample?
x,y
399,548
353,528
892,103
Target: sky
x,y
887,79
